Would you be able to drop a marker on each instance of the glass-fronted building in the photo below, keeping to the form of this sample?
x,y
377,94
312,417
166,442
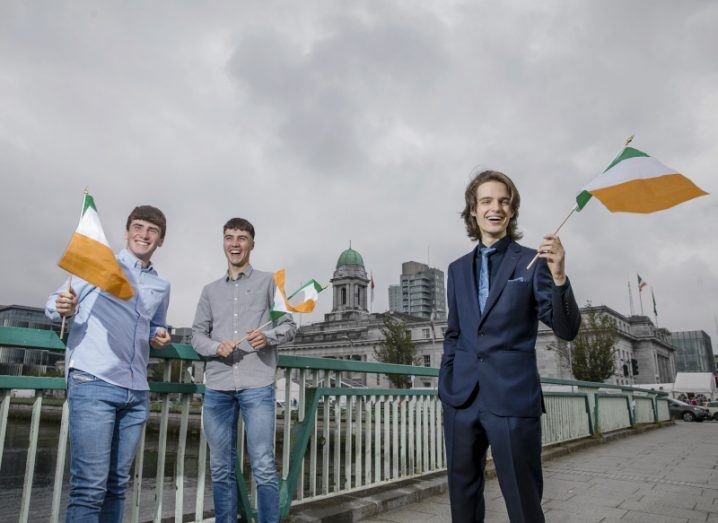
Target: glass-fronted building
x,y
16,361
694,351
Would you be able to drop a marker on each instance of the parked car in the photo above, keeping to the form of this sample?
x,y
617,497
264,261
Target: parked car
x,y
687,412
712,407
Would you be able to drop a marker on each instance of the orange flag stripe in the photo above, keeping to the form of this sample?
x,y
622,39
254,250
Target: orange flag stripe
x,y
96,264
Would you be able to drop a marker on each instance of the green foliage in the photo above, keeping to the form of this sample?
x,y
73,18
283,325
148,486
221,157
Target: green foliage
x,y
592,354
397,347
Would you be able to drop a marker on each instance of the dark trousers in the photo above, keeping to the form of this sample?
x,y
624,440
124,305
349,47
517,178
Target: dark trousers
x,y
516,451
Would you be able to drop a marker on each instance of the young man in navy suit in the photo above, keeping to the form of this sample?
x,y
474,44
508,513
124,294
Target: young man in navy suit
x,y
489,383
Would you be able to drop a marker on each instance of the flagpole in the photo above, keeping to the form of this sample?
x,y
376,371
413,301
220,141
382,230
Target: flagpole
x,y
62,327
640,298
69,280
573,210
257,329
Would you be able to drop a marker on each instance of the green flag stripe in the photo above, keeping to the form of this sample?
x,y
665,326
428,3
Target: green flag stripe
x,y
273,315
88,202
313,283
582,199
628,152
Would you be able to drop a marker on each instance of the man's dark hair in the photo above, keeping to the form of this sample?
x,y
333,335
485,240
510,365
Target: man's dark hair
x,y
148,214
239,224
472,226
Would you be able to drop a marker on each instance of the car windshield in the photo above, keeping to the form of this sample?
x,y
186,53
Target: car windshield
x,y
681,403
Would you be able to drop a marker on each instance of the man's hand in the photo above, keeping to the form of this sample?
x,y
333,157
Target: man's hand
x,y
552,251
161,340
256,339
66,302
226,347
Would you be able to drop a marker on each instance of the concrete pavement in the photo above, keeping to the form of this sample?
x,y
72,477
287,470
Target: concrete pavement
x,y
663,476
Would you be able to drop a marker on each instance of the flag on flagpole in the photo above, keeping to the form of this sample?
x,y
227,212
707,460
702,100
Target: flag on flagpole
x,y
641,283
655,309
637,182
307,296
90,257
371,287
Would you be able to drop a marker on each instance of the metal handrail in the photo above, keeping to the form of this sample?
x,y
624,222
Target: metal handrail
x,y
400,429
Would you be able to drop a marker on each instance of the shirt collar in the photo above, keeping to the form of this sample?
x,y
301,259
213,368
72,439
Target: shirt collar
x,y
500,245
246,273
131,260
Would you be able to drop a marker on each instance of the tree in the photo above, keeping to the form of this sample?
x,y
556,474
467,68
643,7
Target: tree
x,y
592,354
397,347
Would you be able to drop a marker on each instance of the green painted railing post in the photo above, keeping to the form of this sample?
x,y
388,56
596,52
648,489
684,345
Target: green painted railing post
x,y
302,433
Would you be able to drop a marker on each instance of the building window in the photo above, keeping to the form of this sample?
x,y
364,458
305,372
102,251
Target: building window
x,y
427,360
426,333
343,295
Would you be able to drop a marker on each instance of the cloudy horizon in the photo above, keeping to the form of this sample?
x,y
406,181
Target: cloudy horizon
x,y
326,123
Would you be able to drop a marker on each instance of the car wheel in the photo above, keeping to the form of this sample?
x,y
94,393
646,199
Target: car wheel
x,y
715,416
688,416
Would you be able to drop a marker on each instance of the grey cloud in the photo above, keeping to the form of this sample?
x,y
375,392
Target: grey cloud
x,y
324,123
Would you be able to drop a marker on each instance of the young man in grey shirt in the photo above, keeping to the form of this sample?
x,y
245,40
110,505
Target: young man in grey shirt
x,y
240,373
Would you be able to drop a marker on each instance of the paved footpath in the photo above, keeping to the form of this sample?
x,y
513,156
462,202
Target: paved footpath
x,y
662,476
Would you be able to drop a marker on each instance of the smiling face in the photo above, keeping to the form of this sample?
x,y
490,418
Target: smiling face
x,y
238,244
143,238
493,211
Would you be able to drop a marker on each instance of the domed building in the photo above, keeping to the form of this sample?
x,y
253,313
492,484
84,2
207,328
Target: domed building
x,y
349,285
350,331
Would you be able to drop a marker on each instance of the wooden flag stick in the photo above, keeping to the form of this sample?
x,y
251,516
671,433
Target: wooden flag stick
x,y
573,210
257,329
69,288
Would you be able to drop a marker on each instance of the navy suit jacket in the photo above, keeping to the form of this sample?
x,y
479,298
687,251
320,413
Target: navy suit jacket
x,y
496,350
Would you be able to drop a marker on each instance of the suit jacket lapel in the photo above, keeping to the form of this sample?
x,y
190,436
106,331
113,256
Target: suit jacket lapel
x,y
470,282
508,264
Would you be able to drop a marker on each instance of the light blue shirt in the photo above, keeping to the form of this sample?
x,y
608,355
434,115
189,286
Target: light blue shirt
x,y
110,337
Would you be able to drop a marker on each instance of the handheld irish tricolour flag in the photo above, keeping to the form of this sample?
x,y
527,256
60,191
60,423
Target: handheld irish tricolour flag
x,y
636,182
90,257
305,298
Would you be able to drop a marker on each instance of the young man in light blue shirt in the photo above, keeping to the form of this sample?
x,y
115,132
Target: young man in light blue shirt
x,y
106,369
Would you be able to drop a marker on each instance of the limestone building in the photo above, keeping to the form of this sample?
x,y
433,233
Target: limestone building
x,y
644,352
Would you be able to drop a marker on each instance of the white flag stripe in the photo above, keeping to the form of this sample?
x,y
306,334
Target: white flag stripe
x,y
90,226
640,167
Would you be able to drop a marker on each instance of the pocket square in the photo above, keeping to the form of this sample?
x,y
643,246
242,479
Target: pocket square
x,y
520,279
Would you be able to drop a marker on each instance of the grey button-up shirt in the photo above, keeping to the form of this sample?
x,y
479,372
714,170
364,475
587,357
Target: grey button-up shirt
x,y
227,309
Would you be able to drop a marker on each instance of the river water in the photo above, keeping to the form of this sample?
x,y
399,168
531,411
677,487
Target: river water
x,y
12,471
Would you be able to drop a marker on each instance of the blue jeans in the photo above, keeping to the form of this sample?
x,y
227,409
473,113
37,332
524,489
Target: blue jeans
x,y
106,423
219,417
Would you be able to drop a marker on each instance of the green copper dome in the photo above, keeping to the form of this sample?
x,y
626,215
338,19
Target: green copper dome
x,y
350,257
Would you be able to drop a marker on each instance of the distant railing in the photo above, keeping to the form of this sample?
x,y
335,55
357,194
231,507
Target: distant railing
x,y
338,439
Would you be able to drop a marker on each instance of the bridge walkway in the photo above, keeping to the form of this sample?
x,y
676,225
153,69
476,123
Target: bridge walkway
x,y
662,476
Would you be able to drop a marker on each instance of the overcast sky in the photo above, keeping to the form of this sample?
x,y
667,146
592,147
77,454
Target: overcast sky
x,y
325,122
